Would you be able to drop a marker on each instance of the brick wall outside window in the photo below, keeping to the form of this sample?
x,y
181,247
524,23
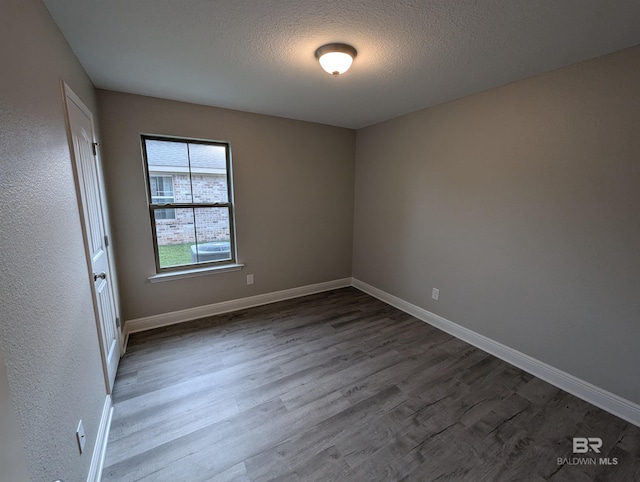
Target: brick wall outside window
x,y
212,223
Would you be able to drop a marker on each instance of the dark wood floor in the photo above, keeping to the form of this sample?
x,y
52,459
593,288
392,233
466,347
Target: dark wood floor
x,y
340,386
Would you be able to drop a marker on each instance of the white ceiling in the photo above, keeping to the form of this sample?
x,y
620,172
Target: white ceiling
x,y
258,55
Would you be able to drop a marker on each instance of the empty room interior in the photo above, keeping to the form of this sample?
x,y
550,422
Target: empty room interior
x,y
225,258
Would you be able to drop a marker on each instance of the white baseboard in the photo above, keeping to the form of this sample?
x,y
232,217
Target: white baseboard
x,y
603,399
164,319
100,449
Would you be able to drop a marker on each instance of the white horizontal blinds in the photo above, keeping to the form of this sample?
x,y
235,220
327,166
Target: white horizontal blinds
x,y
161,189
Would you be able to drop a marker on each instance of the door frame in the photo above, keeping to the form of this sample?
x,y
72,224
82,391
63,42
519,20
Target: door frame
x,y
69,95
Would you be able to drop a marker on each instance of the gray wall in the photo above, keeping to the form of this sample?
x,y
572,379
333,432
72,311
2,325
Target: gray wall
x,y
522,205
13,459
47,327
293,191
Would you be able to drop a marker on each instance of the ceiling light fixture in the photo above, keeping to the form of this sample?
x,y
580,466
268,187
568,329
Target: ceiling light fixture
x,y
336,58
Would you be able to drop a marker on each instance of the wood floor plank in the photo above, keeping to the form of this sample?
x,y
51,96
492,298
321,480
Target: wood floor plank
x,y
164,423
341,386
281,458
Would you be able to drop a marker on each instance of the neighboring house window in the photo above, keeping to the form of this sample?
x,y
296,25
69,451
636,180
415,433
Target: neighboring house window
x,y
162,193
190,201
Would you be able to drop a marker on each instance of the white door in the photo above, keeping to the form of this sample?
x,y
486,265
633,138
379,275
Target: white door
x,y
88,179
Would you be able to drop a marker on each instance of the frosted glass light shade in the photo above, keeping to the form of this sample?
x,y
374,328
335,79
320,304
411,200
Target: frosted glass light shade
x,y
336,58
336,62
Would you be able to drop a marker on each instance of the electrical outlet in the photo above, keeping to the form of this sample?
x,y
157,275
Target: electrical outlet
x,y
249,279
80,436
435,293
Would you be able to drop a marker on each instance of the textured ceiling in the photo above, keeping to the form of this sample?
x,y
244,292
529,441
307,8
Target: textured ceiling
x,y
258,56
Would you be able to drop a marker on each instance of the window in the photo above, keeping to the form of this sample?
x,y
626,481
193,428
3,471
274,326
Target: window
x,y
162,193
190,202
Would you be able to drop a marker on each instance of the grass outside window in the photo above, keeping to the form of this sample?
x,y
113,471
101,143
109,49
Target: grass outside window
x,y
175,254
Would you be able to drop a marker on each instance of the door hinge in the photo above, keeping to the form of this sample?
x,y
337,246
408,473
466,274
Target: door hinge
x,y
118,321
94,146
106,240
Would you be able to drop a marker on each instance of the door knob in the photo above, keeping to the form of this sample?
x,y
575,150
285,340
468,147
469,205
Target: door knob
x,y
102,275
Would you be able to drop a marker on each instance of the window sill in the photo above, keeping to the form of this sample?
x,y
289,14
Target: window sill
x,y
190,273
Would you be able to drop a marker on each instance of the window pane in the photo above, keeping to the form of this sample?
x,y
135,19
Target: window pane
x,y
213,234
175,232
167,154
166,213
209,173
168,161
